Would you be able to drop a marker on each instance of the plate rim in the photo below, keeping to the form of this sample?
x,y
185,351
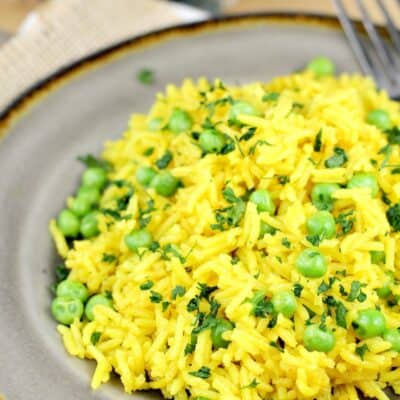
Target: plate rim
x,y
15,109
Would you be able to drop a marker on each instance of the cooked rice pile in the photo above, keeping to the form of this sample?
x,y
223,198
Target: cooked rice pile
x,y
148,339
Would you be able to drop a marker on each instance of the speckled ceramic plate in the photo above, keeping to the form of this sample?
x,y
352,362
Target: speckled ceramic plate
x,y
72,114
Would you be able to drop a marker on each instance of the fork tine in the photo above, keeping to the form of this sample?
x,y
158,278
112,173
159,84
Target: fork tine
x,y
355,42
383,54
394,34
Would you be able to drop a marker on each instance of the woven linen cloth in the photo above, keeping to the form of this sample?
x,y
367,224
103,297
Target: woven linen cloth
x,y
64,31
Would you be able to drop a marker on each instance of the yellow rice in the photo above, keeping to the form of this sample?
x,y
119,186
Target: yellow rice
x,y
145,345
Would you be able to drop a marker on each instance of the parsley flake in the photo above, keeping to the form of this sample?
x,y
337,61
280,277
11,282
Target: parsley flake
x,y
145,76
202,373
177,291
361,350
95,337
318,141
146,285
165,159
297,289
109,258
338,159
155,297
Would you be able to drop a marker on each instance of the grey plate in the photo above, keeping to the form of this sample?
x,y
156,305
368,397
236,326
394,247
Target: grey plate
x,y
38,167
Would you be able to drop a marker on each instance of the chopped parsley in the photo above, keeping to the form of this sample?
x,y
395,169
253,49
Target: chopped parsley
x,y
260,306
229,216
318,141
252,149
386,151
164,161
148,152
361,350
315,240
109,258
114,214
323,287
171,249
338,159
93,162
206,290
146,285
145,76
345,222
61,272
155,297
165,305
272,322
248,134
286,242
193,304
297,289
386,199
277,345
311,313
202,373
393,217
177,291
235,260
272,96
283,179
144,218
393,135
251,385
95,337
356,292
341,312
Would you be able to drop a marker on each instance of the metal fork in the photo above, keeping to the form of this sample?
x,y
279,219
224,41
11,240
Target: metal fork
x,y
378,57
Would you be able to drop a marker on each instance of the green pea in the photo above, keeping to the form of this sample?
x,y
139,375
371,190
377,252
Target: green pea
x,y
317,339
218,329
377,257
311,263
90,194
80,206
321,66
321,224
137,239
321,195
165,184
155,124
72,290
144,175
97,299
385,291
380,119
266,228
211,141
284,303
263,200
369,323
65,310
89,225
241,108
94,177
179,121
68,223
393,336
364,180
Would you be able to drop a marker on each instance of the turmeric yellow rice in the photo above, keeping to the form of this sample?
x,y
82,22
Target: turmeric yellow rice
x,y
240,242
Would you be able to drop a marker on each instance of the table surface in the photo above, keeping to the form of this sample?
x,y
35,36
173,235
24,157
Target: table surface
x,y
12,12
